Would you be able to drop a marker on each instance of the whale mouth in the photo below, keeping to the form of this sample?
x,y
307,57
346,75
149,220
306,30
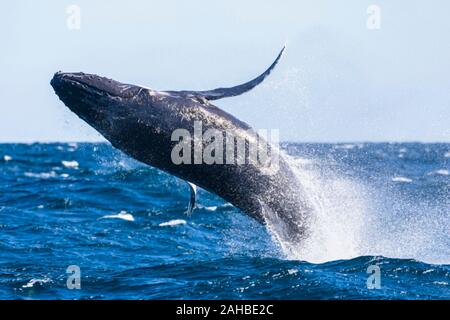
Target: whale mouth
x,y
66,83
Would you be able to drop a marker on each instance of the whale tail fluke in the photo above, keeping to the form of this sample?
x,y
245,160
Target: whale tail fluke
x,y
220,93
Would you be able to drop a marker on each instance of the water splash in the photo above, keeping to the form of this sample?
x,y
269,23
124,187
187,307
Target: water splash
x,y
339,209
351,218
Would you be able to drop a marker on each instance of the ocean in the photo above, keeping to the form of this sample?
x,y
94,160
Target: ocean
x,y
84,221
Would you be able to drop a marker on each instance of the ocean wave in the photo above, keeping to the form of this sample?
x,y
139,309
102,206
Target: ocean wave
x,y
359,217
33,282
172,223
121,215
440,172
45,175
401,179
346,146
70,164
41,175
208,208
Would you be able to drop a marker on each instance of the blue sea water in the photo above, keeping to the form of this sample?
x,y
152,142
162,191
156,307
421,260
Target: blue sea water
x,y
124,225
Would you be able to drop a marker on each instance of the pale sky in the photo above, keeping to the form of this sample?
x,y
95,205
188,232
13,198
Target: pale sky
x,y
339,80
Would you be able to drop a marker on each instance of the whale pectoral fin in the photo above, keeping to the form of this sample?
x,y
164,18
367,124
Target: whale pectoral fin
x,y
191,205
220,93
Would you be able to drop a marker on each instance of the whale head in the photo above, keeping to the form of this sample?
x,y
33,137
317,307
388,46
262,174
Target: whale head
x,y
95,99
136,120
113,108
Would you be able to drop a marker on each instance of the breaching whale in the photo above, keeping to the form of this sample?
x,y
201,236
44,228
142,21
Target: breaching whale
x,y
140,122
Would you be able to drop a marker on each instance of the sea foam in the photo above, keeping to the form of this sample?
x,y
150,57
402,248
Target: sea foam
x,y
121,215
172,223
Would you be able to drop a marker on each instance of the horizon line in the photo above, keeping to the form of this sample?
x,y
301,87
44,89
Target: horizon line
x,y
286,141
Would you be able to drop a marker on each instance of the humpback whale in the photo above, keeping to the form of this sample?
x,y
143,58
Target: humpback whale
x,y
140,121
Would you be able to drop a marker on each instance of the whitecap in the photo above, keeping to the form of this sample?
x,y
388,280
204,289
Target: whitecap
x,y
172,223
292,271
32,282
207,208
7,158
214,208
70,164
64,175
447,154
347,146
401,179
225,205
442,172
121,215
41,175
